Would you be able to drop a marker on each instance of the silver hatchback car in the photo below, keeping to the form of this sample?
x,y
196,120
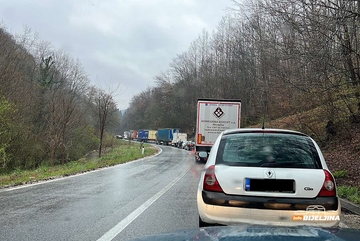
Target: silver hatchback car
x,y
267,176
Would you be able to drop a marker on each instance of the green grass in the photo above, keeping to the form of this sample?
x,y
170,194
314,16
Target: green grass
x,y
124,152
350,193
347,192
340,174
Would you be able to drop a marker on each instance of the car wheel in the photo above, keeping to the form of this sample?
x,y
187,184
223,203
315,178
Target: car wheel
x,y
203,224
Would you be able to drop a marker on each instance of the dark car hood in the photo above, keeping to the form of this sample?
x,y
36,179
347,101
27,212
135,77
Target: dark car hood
x,y
257,233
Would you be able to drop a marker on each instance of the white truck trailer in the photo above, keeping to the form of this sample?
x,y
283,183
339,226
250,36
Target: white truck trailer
x,y
178,136
213,117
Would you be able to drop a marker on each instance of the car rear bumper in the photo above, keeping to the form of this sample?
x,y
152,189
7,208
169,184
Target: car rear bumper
x,y
230,214
280,203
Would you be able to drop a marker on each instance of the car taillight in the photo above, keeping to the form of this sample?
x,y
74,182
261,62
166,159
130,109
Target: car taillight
x,y
328,189
210,181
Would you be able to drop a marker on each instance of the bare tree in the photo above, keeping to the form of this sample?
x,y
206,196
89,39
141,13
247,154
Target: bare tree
x,y
104,109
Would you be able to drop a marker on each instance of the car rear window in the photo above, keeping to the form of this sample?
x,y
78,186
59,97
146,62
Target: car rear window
x,y
268,150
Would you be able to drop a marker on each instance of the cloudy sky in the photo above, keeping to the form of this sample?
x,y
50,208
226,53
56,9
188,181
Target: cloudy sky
x,y
120,43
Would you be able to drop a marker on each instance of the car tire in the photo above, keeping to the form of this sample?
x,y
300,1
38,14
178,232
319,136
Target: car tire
x,y
203,224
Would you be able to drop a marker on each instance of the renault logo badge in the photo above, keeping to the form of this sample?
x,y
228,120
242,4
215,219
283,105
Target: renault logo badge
x,y
269,174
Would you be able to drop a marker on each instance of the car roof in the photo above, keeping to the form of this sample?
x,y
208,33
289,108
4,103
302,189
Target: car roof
x,y
260,130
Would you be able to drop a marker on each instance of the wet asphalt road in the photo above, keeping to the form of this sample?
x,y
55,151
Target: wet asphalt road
x,y
148,196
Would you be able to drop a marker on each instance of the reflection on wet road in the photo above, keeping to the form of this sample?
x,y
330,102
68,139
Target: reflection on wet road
x,y
147,196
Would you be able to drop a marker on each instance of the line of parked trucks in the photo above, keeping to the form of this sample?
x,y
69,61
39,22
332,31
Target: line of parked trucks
x,y
164,136
213,117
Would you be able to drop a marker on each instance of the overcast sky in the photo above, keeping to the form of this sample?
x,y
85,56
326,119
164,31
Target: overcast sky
x,y
123,43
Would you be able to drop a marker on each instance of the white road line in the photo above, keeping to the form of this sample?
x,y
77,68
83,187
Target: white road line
x,y
112,233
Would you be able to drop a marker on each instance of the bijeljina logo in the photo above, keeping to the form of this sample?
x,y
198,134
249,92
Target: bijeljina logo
x,y
316,217
316,213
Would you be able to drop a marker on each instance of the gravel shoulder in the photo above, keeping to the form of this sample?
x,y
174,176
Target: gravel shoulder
x,y
350,215
349,220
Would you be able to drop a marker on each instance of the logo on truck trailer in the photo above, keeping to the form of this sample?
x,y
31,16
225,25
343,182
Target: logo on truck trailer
x,y
219,112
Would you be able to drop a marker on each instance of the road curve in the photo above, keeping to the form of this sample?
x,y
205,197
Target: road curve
x,y
148,196
142,197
